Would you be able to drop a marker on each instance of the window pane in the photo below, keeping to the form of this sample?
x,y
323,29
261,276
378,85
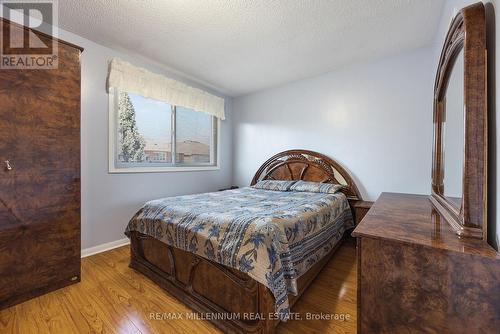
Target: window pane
x,y
194,136
144,130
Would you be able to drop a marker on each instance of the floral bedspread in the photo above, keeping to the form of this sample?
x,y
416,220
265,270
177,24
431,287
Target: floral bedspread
x,y
273,236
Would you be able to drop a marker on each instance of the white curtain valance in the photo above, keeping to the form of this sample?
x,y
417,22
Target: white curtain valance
x,y
127,77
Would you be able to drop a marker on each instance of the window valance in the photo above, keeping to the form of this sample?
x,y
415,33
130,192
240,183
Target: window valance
x,y
133,79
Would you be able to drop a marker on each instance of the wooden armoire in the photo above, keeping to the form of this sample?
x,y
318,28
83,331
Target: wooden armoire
x,y
39,175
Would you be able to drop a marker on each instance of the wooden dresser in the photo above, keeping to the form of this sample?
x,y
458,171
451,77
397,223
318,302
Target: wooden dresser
x,y
415,275
39,176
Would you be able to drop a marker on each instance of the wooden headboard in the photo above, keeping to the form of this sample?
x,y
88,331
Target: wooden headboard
x,y
308,166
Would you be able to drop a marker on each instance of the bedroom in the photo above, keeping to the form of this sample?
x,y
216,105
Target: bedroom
x,y
191,126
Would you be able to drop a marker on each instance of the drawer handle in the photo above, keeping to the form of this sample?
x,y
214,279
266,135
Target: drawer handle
x,y
7,165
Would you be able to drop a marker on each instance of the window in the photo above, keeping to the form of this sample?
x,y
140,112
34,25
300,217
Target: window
x,y
147,135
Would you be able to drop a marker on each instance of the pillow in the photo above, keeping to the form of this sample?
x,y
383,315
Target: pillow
x,y
276,185
316,187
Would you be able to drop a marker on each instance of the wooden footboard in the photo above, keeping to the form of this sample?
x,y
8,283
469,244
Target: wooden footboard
x,y
210,288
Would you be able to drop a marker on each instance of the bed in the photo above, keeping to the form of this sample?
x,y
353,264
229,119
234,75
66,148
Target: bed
x,y
243,257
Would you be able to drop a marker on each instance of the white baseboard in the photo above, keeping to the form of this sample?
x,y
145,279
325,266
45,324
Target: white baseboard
x,y
105,247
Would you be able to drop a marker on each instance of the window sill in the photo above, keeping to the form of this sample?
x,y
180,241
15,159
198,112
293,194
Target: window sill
x,y
162,169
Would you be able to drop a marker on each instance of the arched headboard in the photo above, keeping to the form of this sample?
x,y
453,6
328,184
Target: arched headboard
x,y
308,166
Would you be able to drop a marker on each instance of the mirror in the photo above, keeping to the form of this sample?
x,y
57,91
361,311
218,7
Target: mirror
x,y
454,133
460,119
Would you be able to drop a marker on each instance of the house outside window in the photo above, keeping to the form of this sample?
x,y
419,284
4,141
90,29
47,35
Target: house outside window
x,y
147,135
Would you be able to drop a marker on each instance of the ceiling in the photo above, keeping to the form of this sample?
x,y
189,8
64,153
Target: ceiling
x,y
242,46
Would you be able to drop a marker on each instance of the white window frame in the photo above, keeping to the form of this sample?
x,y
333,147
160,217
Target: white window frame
x,y
155,168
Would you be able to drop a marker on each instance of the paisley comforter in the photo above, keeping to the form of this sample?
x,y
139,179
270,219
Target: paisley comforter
x,y
273,236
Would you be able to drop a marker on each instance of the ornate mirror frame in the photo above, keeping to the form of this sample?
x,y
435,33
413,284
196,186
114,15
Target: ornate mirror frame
x,y
468,32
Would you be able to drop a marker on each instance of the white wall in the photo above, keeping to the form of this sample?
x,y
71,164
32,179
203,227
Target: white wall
x,y
110,200
374,118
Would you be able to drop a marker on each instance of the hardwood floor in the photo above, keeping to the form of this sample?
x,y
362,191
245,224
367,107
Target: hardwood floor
x,y
112,298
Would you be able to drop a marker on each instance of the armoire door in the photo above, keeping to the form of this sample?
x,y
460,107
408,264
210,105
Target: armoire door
x,y
40,178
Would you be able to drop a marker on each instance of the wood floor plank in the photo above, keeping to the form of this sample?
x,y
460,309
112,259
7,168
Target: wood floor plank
x,y
148,297
55,315
112,298
333,292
